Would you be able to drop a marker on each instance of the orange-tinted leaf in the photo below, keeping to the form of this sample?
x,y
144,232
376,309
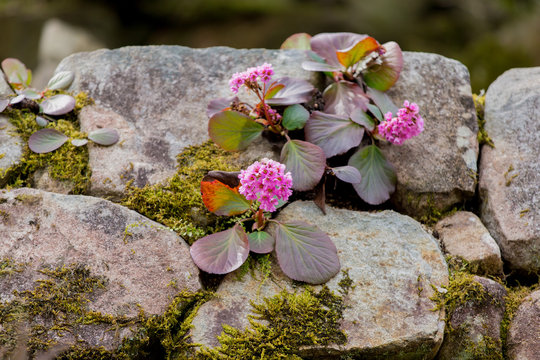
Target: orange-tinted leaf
x,y
273,91
300,41
355,53
382,77
222,199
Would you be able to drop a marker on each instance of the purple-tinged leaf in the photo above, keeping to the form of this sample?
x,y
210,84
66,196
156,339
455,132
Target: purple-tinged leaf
x,y
58,105
61,80
360,117
3,104
320,195
348,174
334,134
16,73
342,97
273,90
382,77
305,253
229,178
218,105
378,176
326,45
299,41
383,101
296,91
46,140
79,142
375,111
318,66
222,199
350,56
295,117
41,121
233,131
17,99
261,242
105,137
31,94
305,161
222,252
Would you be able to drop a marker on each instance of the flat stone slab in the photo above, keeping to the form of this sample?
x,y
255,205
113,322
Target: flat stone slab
x,y
436,169
392,263
510,172
524,331
156,96
137,258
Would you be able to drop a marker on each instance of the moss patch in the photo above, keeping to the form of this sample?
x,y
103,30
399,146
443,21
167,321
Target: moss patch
x,y
68,163
479,103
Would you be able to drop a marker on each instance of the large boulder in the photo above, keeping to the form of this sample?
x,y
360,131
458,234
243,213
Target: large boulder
x,y
510,172
156,96
80,266
392,264
523,335
11,147
436,169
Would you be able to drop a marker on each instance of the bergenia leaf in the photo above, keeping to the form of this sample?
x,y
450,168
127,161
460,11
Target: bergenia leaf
x,y
299,41
261,242
219,105
342,97
222,252
16,73
360,117
334,134
374,109
222,199
41,121
350,56
273,90
383,101
378,176
305,253
61,80
229,178
348,174
317,66
3,104
326,45
382,77
46,140
31,94
296,91
79,142
58,104
233,131
305,161
17,99
295,117
105,137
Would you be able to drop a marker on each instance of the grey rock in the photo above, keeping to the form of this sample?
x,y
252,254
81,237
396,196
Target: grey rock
x,y
392,263
436,169
510,172
524,332
5,89
43,181
464,236
475,327
156,96
136,257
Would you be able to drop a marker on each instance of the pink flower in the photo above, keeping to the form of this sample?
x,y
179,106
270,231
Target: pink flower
x,y
266,181
250,77
405,125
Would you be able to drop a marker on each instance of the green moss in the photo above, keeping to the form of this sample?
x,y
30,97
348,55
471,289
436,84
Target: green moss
x,y
479,103
68,163
177,203
9,267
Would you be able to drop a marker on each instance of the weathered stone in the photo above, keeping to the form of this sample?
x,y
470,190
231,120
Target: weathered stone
x,y
11,149
136,258
392,263
510,172
463,235
436,169
156,96
475,327
524,334
43,181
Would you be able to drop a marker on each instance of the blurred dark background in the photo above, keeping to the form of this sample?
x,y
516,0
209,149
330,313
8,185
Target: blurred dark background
x,y
489,36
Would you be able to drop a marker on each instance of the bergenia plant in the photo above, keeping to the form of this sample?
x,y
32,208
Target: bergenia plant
x,y
304,252
47,108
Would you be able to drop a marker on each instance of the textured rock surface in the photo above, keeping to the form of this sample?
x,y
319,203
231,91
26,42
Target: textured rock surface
x,y
436,169
475,326
11,147
510,172
463,235
138,258
524,333
156,96
392,263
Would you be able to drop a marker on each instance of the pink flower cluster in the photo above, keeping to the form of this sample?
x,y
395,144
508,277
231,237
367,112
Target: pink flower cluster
x,y
267,182
407,124
249,77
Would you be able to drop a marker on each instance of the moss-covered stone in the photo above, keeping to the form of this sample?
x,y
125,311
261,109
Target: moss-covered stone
x,y
479,103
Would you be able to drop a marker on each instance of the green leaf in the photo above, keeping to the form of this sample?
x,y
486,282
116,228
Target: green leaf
x,y
16,73
233,131
305,161
360,117
61,80
382,77
261,242
273,91
222,252
305,253
378,176
46,140
79,142
375,111
295,117
105,137
383,102
299,41
222,199
31,94
350,56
